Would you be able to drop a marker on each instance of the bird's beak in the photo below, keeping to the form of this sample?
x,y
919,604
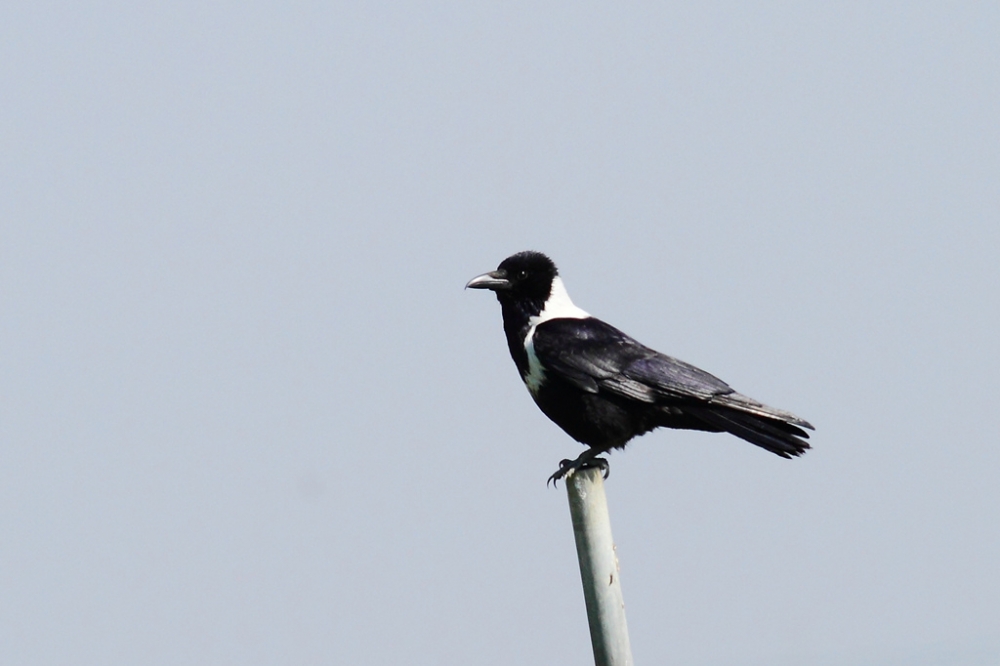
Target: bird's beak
x,y
494,281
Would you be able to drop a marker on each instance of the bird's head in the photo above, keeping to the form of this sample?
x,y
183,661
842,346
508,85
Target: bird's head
x,y
525,276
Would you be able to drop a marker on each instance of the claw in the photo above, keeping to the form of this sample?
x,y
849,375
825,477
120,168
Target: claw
x,y
568,467
598,463
601,464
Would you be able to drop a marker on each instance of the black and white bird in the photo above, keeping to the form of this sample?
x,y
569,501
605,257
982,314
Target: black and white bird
x,y
603,387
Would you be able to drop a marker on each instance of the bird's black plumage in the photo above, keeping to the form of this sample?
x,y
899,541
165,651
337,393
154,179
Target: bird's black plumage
x,y
603,387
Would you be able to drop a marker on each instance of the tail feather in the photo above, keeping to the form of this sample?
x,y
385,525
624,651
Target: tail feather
x,y
743,403
777,431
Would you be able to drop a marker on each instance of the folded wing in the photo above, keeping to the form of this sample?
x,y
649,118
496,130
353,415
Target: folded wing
x,y
596,357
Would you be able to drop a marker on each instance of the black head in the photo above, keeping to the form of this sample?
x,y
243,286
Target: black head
x,y
525,275
523,284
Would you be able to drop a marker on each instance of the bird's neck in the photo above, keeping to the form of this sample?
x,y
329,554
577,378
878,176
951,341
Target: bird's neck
x,y
517,320
522,314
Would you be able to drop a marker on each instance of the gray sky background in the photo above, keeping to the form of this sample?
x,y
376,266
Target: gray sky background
x,y
249,416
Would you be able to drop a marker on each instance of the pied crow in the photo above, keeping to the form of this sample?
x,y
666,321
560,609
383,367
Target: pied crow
x,y
603,387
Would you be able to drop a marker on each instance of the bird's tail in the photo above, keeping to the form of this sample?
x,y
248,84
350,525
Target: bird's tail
x,y
778,431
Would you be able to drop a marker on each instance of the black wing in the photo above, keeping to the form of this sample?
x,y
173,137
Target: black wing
x,y
595,356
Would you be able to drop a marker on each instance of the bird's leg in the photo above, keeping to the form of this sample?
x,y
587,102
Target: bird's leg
x,y
586,460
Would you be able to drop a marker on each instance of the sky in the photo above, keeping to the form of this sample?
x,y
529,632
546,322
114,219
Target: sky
x,y
248,414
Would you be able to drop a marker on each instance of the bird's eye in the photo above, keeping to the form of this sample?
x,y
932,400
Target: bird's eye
x,y
522,274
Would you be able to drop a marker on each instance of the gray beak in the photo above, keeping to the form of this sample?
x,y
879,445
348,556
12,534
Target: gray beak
x,y
494,281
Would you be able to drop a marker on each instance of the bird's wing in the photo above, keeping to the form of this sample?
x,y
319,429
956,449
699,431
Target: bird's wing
x,y
594,355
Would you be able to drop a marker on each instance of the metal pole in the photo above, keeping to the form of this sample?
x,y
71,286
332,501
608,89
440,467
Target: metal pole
x,y
595,549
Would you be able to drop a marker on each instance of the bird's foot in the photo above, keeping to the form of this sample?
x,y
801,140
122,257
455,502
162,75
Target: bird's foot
x,y
568,467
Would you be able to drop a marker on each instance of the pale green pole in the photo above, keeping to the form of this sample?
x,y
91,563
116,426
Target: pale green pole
x,y
595,549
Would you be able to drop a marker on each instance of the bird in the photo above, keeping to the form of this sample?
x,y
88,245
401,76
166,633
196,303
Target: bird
x,y
603,387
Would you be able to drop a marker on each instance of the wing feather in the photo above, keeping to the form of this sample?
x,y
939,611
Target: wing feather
x,y
589,351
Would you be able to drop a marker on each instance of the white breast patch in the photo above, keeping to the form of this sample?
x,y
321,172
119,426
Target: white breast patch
x,y
536,373
558,306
